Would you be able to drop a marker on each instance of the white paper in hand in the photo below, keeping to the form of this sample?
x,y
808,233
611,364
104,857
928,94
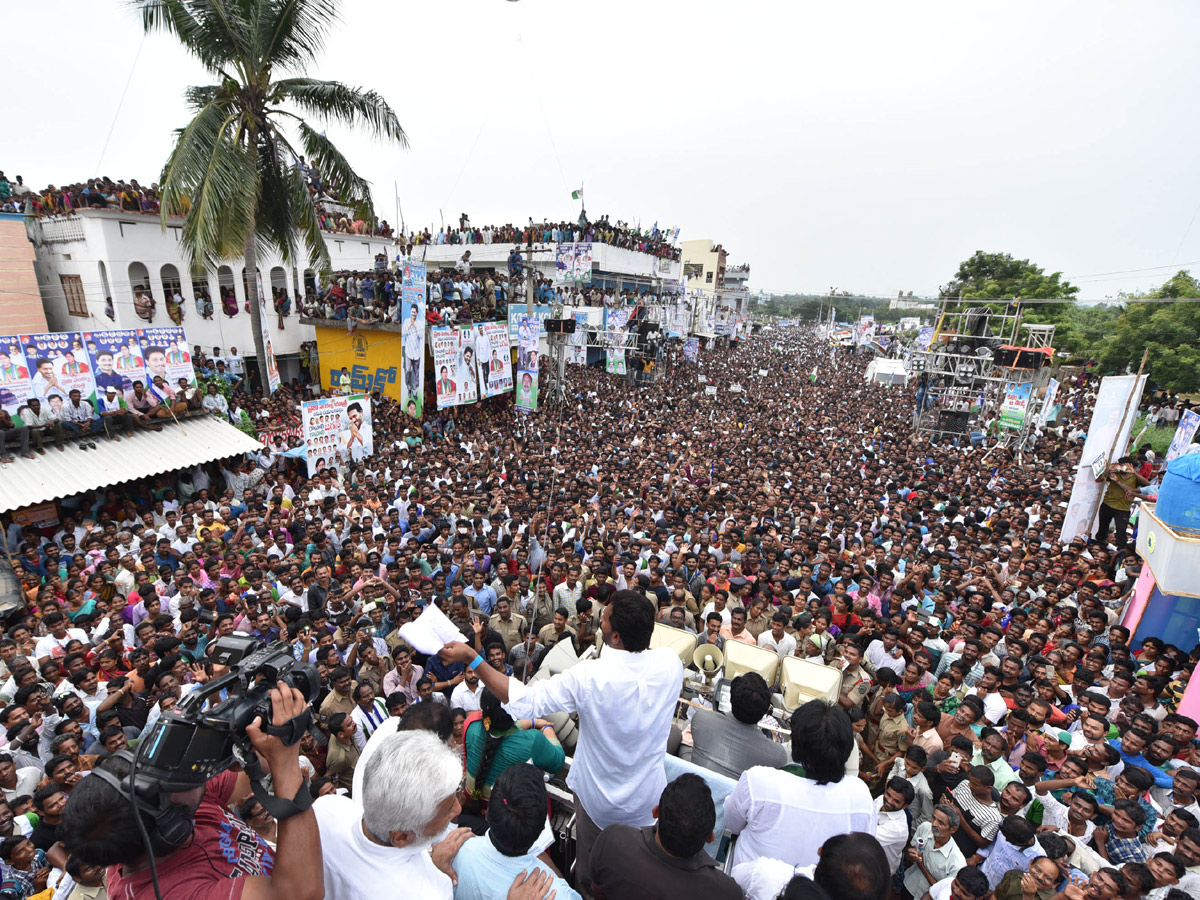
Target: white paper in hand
x,y
430,631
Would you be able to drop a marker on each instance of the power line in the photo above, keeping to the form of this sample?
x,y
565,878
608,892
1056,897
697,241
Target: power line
x,y
121,102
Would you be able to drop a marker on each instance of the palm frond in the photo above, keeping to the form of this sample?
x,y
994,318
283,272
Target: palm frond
x,y
213,30
293,31
332,100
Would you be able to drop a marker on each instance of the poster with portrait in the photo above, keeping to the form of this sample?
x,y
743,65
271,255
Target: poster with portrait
x,y
15,381
617,332
166,352
412,319
336,430
582,264
691,349
564,263
270,371
527,364
116,359
577,349
454,365
58,364
495,359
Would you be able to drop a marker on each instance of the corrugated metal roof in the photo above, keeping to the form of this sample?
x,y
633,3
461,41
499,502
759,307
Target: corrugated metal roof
x,y
61,474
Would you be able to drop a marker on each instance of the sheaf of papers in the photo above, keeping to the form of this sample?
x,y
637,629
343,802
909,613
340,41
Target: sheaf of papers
x,y
430,631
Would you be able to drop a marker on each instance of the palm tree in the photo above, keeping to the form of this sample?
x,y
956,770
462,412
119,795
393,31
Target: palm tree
x,y
233,170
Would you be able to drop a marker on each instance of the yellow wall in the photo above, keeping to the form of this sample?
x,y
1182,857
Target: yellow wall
x,y
374,359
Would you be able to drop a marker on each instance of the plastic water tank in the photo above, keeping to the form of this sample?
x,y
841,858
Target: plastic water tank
x,y
1178,503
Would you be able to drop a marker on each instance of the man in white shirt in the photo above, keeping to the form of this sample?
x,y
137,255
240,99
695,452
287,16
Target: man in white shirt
x,y
777,639
891,821
236,367
382,838
54,645
467,692
885,653
625,699
933,855
788,813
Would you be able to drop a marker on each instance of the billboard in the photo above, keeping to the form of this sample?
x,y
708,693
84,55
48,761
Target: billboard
x,y
412,315
577,349
454,367
336,430
1015,405
166,352
527,363
494,354
691,349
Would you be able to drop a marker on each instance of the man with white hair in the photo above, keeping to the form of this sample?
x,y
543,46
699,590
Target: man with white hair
x,y
386,837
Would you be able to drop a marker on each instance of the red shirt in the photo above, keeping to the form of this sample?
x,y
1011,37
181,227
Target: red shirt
x,y
222,851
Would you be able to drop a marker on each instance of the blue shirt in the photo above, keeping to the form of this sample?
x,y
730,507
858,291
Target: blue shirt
x,y
484,873
485,597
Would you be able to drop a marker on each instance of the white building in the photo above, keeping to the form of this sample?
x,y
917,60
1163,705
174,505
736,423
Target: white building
x,y
95,254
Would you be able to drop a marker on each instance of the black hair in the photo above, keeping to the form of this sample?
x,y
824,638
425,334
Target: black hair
x,y
1132,809
803,888
822,740
973,880
930,712
749,698
517,810
686,816
632,617
1138,777
917,754
902,787
1018,830
853,867
426,717
1054,845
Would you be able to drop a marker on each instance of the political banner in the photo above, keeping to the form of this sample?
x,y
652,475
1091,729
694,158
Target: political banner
x,y
577,349
1184,434
691,349
516,311
866,329
924,336
582,268
116,360
564,263
711,390
495,359
1109,427
1048,402
412,317
15,383
454,365
166,352
269,368
1015,405
58,364
336,430
527,364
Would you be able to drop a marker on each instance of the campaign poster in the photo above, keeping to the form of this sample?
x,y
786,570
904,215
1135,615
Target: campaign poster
x,y
1015,405
495,359
577,349
1048,402
412,317
116,359
1184,434
269,370
617,332
924,336
15,383
527,364
58,364
691,349
454,365
166,352
336,430
582,268
564,263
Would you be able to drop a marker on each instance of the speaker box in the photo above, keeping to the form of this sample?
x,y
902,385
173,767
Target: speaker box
x,y
1009,357
953,422
560,326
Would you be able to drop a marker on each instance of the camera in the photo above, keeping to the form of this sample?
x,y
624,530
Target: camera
x,y
197,739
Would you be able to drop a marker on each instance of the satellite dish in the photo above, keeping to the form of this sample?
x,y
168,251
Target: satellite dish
x,y
708,659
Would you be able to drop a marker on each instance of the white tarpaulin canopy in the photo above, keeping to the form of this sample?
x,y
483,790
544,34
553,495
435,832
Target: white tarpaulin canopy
x,y
887,371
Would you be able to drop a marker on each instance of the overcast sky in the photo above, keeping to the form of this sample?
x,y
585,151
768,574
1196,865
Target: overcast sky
x,y
868,146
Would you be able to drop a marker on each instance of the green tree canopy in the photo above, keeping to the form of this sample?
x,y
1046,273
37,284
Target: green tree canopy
x,y
1170,331
997,276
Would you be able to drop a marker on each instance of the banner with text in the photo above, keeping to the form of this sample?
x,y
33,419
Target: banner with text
x,y
269,371
336,430
494,353
691,349
1184,434
1015,405
412,315
454,365
527,363
577,349
1048,402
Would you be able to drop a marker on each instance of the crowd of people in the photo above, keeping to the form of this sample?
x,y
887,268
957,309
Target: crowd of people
x,y
997,734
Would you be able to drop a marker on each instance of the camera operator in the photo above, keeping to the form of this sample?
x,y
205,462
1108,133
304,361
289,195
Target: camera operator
x,y
99,828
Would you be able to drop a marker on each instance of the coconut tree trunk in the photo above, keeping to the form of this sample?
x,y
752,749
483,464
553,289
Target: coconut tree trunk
x,y
256,322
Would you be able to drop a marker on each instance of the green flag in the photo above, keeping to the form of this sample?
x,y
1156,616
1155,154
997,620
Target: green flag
x,y
577,195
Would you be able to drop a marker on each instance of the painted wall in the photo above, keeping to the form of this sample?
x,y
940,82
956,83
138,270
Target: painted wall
x,y
21,309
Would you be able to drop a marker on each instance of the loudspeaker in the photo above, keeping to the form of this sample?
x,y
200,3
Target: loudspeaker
x,y
953,422
1006,357
560,326
1009,357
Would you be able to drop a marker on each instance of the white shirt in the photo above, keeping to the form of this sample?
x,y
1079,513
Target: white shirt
x,y
994,707
785,646
784,816
462,697
891,830
942,862
356,866
879,657
626,704
765,879
57,649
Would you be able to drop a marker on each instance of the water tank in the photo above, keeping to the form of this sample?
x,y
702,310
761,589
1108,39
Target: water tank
x,y
1178,505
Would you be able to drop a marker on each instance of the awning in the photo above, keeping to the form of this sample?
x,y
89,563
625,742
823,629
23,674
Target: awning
x,y
58,474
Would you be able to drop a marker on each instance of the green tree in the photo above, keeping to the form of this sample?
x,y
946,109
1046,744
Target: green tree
x,y
233,170
997,276
1169,331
